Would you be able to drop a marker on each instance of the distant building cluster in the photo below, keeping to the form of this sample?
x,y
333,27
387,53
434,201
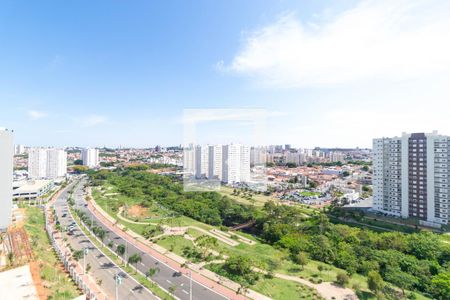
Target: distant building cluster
x,y
227,163
410,176
278,155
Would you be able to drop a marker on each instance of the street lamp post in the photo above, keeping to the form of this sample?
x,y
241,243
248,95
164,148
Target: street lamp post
x,y
190,285
118,281
85,252
126,250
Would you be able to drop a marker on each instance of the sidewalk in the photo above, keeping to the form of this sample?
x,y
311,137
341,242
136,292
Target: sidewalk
x,y
207,278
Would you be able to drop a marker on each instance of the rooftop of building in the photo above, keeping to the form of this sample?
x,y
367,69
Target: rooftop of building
x,y
32,186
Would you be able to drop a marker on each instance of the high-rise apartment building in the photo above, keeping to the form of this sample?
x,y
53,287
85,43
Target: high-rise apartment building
x,y
189,160
201,157
411,176
89,156
244,161
258,156
294,157
227,163
19,149
215,162
235,163
47,163
231,163
6,177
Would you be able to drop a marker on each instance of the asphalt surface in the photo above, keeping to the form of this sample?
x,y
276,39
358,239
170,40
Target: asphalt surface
x,y
102,268
166,277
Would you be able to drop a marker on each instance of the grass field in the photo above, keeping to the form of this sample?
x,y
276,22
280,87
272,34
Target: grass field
x,y
174,244
264,256
59,284
275,288
257,199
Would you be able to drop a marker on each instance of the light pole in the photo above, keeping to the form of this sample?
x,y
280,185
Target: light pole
x,y
85,252
190,285
118,281
126,250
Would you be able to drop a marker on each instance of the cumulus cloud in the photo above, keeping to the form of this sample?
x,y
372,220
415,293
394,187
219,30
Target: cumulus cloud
x,y
375,40
36,114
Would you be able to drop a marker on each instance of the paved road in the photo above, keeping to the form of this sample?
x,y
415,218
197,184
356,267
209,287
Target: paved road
x,y
167,277
101,266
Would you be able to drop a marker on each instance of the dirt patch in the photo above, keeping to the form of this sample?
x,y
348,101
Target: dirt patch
x,y
20,245
38,283
137,211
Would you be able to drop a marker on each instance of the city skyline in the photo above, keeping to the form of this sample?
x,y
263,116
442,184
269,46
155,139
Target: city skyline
x,y
98,85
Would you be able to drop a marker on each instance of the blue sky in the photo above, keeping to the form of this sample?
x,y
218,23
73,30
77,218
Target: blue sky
x,y
330,73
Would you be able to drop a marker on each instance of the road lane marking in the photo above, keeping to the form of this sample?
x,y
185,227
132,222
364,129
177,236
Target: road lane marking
x,y
168,281
186,292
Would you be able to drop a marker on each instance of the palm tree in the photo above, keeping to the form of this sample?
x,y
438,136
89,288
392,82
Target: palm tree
x,y
120,249
151,272
134,259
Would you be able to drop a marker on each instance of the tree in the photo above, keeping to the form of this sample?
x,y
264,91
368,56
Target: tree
x,y
312,184
375,281
77,255
100,233
291,165
366,188
345,174
78,162
120,249
342,279
80,169
401,279
302,259
172,289
441,285
206,242
152,272
238,265
134,259
423,245
320,268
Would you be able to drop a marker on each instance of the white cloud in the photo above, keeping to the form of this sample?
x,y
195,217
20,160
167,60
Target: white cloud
x,y
210,115
91,120
36,114
375,40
